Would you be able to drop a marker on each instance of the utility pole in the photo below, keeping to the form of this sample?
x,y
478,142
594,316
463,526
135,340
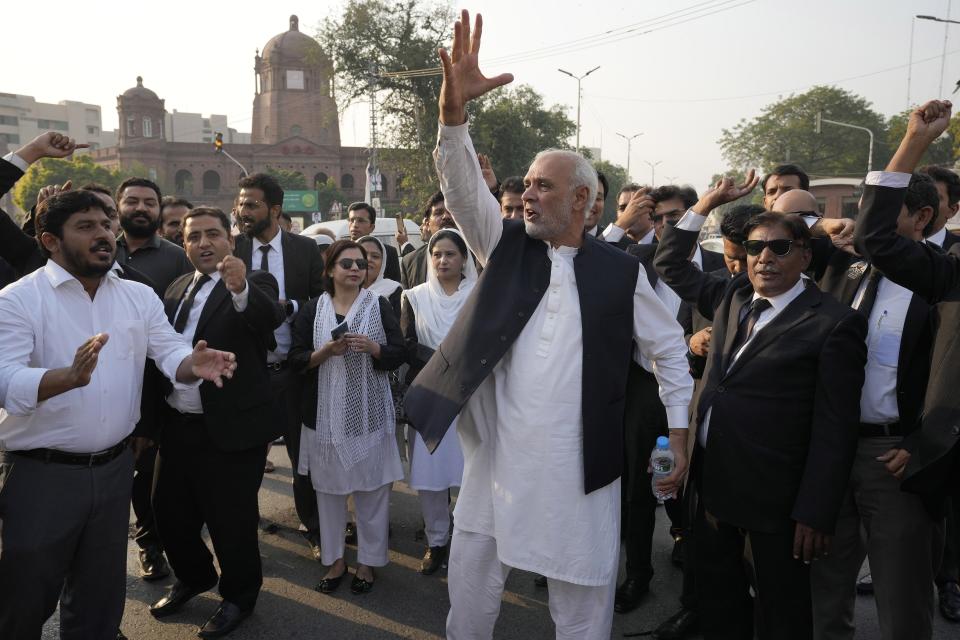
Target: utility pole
x,y
374,168
579,96
629,140
653,171
821,119
943,58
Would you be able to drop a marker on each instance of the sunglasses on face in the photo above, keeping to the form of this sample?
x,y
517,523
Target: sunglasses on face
x,y
779,248
347,263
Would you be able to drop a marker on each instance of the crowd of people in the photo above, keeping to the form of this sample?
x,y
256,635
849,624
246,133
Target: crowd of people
x,y
152,351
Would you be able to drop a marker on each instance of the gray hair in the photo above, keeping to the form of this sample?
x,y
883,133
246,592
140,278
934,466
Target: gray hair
x,y
584,175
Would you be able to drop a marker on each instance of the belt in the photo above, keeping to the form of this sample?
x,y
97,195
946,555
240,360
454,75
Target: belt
x,y
95,459
277,366
878,430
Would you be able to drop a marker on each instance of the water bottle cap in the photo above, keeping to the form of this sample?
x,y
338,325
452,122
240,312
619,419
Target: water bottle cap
x,y
663,442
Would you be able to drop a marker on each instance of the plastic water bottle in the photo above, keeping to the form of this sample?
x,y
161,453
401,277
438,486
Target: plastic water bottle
x,y
661,462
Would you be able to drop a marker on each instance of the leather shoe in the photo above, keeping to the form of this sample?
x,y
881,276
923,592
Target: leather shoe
x,y
950,601
678,626
629,595
153,565
179,595
329,585
433,560
865,585
676,557
313,539
227,618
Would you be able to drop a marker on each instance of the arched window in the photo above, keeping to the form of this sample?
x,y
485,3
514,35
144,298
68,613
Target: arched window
x,y
211,182
346,181
183,181
147,128
319,180
295,130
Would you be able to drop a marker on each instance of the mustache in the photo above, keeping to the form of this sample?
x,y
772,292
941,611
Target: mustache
x,y
101,245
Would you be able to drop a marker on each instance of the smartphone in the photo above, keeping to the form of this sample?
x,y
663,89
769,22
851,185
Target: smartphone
x,y
400,226
339,331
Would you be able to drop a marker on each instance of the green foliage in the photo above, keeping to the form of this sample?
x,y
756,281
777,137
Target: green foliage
x,y
616,177
327,194
290,180
80,171
784,132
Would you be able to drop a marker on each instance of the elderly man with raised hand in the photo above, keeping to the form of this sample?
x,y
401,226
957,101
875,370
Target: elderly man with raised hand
x,y
536,366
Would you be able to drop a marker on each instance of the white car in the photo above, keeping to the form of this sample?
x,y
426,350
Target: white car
x,y
384,230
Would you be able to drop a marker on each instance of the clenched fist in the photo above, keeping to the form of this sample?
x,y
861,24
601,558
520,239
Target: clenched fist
x,y
234,273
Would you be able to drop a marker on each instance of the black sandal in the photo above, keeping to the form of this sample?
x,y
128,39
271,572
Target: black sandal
x,y
359,585
329,585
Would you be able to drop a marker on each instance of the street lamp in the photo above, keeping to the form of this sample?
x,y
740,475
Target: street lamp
x,y
653,171
943,57
821,119
629,139
218,148
579,95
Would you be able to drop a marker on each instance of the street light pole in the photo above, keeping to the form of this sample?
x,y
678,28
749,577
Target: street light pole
x,y
850,126
946,21
579,95
653,171
629,139
913,26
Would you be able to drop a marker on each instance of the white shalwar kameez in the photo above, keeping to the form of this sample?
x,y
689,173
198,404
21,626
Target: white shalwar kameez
x,y
522,502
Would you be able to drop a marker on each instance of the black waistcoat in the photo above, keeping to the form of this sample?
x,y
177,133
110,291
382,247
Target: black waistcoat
x,y
513,281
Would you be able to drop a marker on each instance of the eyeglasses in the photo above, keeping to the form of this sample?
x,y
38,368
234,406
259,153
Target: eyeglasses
x,y
347,263
779,248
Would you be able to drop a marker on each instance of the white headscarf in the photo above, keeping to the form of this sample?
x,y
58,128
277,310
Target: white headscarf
x,y
381,286
435,310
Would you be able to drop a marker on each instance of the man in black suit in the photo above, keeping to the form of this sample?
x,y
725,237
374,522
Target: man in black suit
x,y
414,266
928,459
631,226
948,189
362,220
776,421
297,265
214,441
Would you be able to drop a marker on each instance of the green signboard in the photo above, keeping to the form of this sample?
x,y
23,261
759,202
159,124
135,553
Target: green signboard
x,y
300,201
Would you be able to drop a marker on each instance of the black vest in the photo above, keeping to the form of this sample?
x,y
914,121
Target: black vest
x,y
513,281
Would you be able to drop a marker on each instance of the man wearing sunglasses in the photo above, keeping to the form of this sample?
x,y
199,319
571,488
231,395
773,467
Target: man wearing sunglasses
x,y
776,421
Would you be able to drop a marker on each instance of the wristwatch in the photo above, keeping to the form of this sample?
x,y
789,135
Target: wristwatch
x,y
288,308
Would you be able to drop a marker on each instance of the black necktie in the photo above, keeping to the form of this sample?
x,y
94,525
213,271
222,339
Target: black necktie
x,y
745,328
870,292
264,263
180,322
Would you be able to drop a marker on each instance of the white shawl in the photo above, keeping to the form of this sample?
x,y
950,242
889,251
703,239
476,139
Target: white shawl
x,y
381,286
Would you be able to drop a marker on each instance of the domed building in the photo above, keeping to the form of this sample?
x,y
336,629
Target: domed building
x,y
295,127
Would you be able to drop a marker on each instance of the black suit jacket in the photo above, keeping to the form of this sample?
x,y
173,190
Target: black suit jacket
x,y
414,267
407,248
392,270
949,240
20,250
785,415
239,415
302,265
934,276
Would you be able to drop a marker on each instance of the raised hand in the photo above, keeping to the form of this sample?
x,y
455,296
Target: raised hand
x,y
486,169
726,190
85,360
212,364
53,189
49,145
462,79
641,205
930,120
401,234
233,273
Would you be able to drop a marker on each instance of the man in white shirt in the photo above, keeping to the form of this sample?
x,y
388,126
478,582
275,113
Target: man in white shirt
x,y
65,463
541,385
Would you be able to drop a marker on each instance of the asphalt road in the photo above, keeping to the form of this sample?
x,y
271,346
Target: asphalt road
x,y
404,603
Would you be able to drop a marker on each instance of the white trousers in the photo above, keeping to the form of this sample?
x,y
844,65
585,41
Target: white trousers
x,y
476,578
373,524
435,506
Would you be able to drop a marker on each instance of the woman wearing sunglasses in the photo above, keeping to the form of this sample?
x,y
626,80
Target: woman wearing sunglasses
x,y
346,342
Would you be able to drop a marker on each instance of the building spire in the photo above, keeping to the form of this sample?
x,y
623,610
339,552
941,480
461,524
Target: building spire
x,y
294,23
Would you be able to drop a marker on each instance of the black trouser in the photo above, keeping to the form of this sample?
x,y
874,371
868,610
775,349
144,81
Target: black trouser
x,y
644,420
146,535
688,594
286,386
63,536
951,548
199,484
730,561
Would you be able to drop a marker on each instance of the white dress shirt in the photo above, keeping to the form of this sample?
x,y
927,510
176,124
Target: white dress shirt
x,y
671,301
185,398
282,333
17,161
614,234
938,237
44,318
522,430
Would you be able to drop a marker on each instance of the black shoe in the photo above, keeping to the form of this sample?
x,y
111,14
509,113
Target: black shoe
x,y
313,539
359,585
676,557
153,565
227,618
950,601
432,560
540,581
629,595
329,585
350,536
178,596
865,585
678,626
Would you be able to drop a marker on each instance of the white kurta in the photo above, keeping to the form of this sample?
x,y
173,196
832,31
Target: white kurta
x,y
437,471
522,430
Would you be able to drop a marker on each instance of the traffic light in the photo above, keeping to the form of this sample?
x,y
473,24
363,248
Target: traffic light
x,y
218,142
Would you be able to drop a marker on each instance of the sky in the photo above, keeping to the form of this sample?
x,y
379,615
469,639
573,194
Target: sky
x,y
678,82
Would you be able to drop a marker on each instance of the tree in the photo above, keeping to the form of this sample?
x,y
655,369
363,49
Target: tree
x,y
289,179
80,170
616,178
784,132
327,194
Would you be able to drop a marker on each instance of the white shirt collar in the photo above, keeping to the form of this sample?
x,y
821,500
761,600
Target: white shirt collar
x,y
648,239
938,237
274,242
780,302
214,277
697,258
57,275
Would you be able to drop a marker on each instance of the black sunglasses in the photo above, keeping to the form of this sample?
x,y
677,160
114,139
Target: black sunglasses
x,y
347,263
778,247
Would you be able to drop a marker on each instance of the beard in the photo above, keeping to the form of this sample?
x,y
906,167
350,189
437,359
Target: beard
x,y
80,264
551,225
132,225
257,228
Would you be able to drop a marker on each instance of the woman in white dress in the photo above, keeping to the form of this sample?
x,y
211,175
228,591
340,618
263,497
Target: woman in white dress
x,y
376,266
427,313
347,440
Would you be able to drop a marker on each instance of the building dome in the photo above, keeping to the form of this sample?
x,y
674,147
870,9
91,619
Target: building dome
x,y
293,47
140,91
